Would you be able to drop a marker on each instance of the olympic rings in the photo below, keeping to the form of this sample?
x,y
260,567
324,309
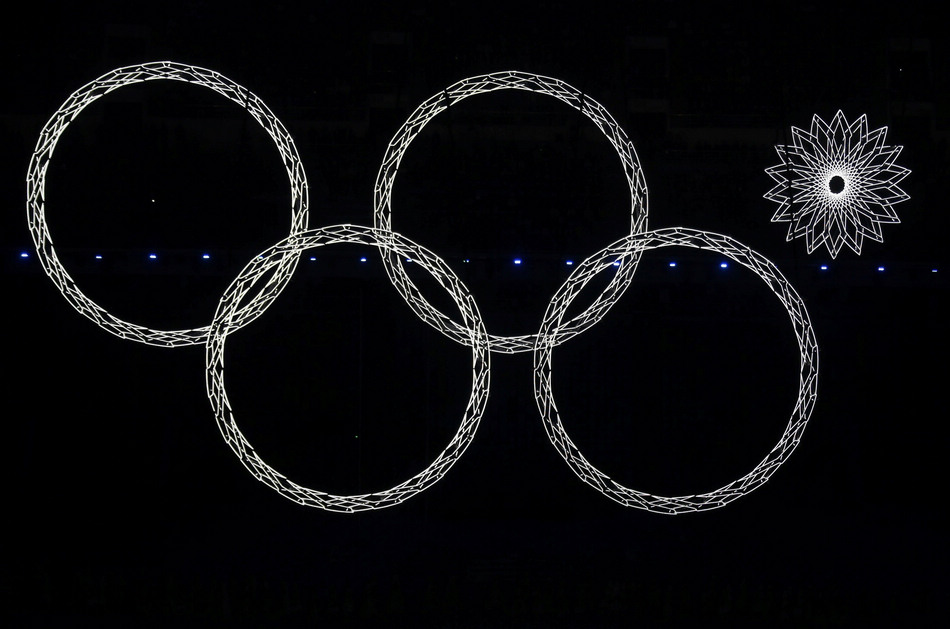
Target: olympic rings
x,y
223,325
39,164
677,236
266,275
382,196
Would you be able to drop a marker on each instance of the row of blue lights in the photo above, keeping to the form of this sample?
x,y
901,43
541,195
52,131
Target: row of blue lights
x,y
516,261
151,256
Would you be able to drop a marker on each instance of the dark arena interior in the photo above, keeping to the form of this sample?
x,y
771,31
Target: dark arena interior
x,y
127,508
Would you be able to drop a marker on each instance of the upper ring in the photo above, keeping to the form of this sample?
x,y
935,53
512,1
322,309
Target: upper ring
x,y
39,164
382,196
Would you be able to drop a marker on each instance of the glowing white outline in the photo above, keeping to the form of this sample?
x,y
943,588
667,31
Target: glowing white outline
x,y
43,154
382,195
605,258
803,179
275,266
223,324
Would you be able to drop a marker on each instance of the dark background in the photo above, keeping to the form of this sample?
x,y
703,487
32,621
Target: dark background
x,y
124,506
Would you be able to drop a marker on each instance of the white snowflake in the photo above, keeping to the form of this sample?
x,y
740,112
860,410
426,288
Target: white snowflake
x,y
837,184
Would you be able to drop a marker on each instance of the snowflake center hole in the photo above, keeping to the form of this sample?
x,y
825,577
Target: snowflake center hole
x,y
836,184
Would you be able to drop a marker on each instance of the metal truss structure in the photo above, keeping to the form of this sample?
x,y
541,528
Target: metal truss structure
x,y
265,276
227,319
382,196
43,154
606,258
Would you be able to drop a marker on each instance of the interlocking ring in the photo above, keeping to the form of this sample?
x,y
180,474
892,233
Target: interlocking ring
x,y
224,323
382,196
39,164
266,275
677,236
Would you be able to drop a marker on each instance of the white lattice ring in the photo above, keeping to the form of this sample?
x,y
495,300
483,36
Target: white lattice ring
x,y
635,244
53,130
244,287
382,195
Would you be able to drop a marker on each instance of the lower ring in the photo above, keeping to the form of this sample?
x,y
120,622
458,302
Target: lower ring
x,y
226,320
634,245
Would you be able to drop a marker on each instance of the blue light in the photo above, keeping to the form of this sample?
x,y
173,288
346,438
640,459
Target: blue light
x,y
205,256
466,260
823,267
408,259
672,264
517,260
363,259
98,257
313,259
933,270
24,254
152,256
880,269
616,262
570,263
723,265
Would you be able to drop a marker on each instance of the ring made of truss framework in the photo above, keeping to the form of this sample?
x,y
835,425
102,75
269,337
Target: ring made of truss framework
x,y
635,245
227,319
43,154
465,88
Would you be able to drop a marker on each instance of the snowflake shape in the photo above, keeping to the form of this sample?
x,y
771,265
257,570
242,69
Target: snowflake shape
x,y
837,184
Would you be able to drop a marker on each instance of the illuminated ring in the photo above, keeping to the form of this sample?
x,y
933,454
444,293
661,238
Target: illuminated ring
x,y
39,164
677,236
382,195
262,266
